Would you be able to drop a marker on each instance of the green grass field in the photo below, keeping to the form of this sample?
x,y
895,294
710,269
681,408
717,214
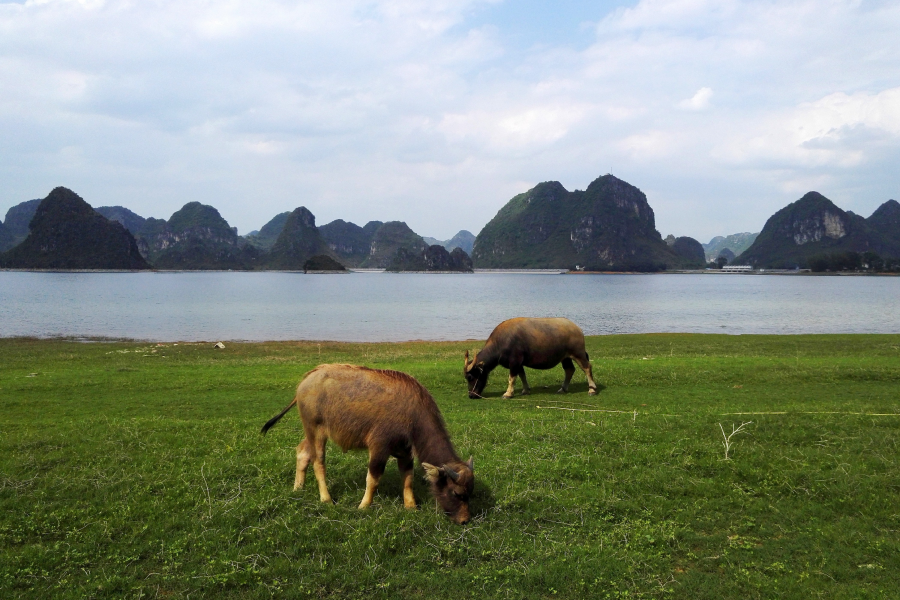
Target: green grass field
x,y
137,470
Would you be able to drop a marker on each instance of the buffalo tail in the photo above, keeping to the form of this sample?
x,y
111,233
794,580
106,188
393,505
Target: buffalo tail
x,y
277,417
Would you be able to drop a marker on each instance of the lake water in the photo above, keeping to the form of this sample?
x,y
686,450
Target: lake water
x,y
394,307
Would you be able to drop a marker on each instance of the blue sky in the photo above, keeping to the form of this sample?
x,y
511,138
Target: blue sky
x,y
437,112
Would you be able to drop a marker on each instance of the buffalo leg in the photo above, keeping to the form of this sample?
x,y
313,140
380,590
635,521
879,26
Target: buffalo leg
x,y
511,389
318,445
405,464
526,389
585,364
304,455
377,462
569,368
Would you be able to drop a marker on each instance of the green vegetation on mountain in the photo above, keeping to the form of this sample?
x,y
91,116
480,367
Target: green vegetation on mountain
x,y
198,254
152,231
814,226
609,226
196,237
870,262
66,233
463,239
885,227
15,226
266,237
373,246
725,257
298,241
348,241
131,221
690,250
387,239
371,227
433,258
6,238
203,220
736,243
886,218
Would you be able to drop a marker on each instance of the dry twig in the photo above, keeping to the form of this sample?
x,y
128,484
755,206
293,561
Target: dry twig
x,y
734,432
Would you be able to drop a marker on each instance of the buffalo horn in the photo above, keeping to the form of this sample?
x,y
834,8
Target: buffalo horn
x,y
450,473
471,463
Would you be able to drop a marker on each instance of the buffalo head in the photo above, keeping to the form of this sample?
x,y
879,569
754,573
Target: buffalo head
x,y
476,375
452,486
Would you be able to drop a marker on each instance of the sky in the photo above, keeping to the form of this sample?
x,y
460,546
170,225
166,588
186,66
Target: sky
x,y
437,112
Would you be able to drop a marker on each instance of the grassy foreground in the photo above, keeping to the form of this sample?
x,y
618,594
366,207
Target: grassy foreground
x,y
137,470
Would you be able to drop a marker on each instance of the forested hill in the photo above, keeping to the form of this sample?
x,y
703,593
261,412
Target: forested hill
x,y
608,226
66,233
814,226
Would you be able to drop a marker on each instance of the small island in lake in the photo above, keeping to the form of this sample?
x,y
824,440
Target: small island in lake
x,y
322,263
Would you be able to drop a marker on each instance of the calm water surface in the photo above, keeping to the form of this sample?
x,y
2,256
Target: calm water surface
x,y
395,307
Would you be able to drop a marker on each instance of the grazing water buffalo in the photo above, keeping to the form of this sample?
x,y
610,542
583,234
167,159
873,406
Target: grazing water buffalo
x,y
533,343
390,414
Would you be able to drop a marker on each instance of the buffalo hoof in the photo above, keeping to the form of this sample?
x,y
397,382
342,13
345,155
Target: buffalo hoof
x,y
592,392
507,396
562,391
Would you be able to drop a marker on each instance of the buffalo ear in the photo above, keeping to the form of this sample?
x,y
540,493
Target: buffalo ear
x,y
432,473
471,464
480,364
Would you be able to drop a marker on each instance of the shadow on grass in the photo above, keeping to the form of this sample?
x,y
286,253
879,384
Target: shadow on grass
x,y
346,491
574,389
483,500
582,388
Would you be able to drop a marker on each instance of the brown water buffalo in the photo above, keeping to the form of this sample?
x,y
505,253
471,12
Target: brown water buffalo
x,y
390,414
533,343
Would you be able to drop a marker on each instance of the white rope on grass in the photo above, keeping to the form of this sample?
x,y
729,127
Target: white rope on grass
x,y
624,412
634,413
572,403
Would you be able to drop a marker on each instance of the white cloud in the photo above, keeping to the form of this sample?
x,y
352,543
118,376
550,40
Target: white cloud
x,y
647,145
699,101
513,129
839,111
838,131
